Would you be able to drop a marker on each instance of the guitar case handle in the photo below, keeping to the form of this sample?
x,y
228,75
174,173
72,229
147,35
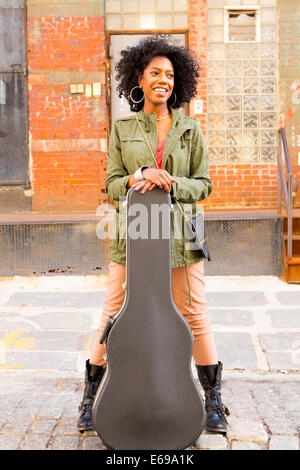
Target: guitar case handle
x,y
106,331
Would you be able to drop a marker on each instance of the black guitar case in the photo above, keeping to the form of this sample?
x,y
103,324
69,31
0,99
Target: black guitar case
x,y
148,398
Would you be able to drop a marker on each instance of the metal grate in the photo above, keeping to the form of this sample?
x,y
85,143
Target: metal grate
x,y
238,246
48,249
245,246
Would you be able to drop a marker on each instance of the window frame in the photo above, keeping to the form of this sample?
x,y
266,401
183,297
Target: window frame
x,y
228,8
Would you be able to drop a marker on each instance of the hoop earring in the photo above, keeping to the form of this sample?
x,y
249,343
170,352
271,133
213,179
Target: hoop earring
x,y
132,91
174,101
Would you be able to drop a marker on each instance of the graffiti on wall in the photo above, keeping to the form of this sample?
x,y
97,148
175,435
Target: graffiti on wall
x,y
295,87
295,98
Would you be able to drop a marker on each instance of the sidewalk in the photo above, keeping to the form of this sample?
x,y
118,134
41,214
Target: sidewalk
x,y
46,331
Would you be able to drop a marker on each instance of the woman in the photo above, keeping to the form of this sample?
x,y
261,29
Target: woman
x,y
157,77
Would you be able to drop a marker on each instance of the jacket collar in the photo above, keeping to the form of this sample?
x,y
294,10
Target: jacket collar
x,y
179,121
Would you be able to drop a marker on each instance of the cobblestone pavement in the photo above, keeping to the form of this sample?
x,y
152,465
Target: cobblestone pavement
x,y
46,331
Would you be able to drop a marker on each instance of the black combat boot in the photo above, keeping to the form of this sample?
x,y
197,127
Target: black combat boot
x,y
93,376
210,379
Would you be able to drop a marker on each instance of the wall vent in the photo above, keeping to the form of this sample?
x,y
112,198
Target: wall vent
x,y
242,25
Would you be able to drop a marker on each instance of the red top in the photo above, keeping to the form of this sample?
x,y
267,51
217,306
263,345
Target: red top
x,y
160,148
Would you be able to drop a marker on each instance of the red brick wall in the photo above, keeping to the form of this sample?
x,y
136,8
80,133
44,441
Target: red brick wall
x,y
238,186
243,186
67,165
248,186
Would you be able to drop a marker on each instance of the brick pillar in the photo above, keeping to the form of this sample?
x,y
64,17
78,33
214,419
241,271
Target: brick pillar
x,y
198,43
289,83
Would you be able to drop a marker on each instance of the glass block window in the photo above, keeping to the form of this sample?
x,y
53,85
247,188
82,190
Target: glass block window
x,y
242,119
127,15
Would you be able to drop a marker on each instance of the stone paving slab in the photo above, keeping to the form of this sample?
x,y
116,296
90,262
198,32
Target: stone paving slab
x,y
284,318
230,317
237,445
282,350
289,298
53,341
284,443
208,441
67,320
279,341
236,298
236,350
247,430
56,299
42,360
63,320
282,360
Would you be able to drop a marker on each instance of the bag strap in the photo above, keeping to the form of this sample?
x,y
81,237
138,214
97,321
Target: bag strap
x,y
151,151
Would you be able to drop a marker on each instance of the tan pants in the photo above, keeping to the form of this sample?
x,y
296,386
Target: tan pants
x,y
196,314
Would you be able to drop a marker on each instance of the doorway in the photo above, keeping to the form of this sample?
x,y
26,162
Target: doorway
x,y
117,42
13,94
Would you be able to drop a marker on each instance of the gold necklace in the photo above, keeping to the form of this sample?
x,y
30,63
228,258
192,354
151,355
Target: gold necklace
x,y
165,117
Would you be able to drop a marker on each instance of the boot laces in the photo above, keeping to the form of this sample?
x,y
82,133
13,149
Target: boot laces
x,y
89,396
215,405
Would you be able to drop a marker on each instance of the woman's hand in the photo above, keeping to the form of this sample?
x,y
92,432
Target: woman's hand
x,y
155,177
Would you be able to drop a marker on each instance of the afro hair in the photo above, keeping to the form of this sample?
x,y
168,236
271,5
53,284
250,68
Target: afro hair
x,y
135,59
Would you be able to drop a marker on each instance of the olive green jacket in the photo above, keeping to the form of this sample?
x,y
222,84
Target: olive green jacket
x,y
184,156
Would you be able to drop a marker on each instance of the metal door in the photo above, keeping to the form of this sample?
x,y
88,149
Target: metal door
x,y
118,42
13,94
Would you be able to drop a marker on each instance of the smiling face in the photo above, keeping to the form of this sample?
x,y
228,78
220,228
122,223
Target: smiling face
x,y
157,82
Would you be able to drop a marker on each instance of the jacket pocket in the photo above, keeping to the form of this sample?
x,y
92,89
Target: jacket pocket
x,y
179,159
134,152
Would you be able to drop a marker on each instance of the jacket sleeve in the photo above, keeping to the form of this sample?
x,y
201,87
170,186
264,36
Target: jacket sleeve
x,y
117,176
197,186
